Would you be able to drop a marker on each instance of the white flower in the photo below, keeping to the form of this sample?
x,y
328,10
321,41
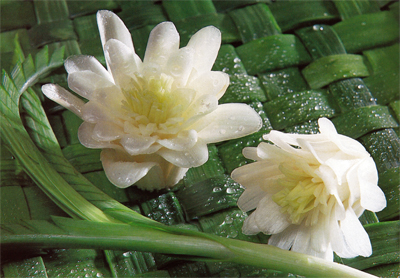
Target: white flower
x,y
153,117
309,190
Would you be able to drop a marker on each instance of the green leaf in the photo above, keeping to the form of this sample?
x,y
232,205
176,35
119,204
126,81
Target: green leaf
x,y
21,10
13,204
360,121
243,88
32,267
291,14
282,82
321,40
332,68
178,10
209,196
18,141
255,21
389,182
272,52
351,93
384,147
296,108
131,263
385,271
363,32
383,81
50,32
352,8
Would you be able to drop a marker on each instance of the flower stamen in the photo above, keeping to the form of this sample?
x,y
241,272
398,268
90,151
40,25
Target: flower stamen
x,y
152,101
302,196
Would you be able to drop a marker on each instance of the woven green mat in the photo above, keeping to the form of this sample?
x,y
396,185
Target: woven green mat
x,y
292,61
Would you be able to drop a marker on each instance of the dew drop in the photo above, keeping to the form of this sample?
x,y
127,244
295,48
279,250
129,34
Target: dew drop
x,y
316,27
233,234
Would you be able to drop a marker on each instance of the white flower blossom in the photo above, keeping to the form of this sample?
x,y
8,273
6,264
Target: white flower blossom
x,y
152,118
308,192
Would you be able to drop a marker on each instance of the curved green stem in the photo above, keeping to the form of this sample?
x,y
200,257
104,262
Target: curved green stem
x,y
91,235
267,256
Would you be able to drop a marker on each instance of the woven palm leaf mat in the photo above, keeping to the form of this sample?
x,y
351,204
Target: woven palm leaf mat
x,y
292,61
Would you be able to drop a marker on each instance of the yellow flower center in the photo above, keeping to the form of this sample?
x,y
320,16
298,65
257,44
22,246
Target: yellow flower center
x,y
150,98
303,197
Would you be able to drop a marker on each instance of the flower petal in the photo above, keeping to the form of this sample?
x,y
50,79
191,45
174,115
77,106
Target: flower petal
x,y
335,235
200,107
250,198
122,60
356,238
193,157
163,42
85,83
180,65
262,174
320,236
326,127
185,140
250,153
64,98
229,121
285,239
212,82
112,96
107,131
85,136
371,196
123,173
302,240
287,141
206,44
174,174
153,180
94,112
249,225
112,27
302,245
79,63
269,218
267,151
137,144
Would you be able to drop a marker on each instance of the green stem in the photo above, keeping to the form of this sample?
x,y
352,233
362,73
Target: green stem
x,y
90,235
267,256
146,240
